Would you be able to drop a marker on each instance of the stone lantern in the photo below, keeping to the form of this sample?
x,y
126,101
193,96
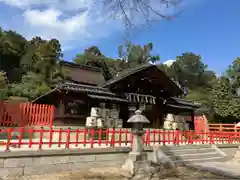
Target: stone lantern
x,y
137,121
137,154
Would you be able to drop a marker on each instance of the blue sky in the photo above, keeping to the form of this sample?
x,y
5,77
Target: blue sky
x,y
208,27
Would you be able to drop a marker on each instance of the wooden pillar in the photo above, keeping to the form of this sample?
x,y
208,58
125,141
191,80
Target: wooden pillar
x,y
61,107
192,121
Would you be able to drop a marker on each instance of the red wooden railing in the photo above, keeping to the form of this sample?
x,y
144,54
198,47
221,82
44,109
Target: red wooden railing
x,y
22,114
23,138
224,127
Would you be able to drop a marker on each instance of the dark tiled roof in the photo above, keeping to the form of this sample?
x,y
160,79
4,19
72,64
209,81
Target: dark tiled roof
x,y
93,92
186,102
84,88
107,98
71,64
181,103
128,72
144,67
180,107
83,74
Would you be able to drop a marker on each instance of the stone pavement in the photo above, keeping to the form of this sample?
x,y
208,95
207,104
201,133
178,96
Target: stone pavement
x,y
229,169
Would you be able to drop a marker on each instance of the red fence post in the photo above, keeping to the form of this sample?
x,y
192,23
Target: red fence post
x,y
77,137
51,114
107,137
211,138
99,137
60,138
120,137
148,136
50,137
41,138
20,137
30,137
164,136
92,138
154,136
9,137
177,133
68,138
113,138
85,136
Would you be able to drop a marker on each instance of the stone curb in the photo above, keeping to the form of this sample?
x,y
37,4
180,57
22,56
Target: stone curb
x,y
86,151
214,170
61,152
227,145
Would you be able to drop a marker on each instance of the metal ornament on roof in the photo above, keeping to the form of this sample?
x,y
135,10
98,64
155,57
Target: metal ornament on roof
x,y
138,118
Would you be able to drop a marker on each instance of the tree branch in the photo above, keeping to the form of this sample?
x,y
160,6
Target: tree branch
x,y
126,9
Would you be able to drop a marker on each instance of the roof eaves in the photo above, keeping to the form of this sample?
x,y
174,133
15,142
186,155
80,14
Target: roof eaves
x,y
45,94
180,107
186,102
128,72
86,67
107,98
85,88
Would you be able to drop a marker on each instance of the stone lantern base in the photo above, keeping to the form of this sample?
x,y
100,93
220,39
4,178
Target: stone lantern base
x,y
135,162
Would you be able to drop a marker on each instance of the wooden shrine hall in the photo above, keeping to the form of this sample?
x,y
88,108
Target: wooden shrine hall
x,y
145,87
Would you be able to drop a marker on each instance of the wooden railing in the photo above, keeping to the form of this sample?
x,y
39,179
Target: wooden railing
x,y
24,114
43,138
223,127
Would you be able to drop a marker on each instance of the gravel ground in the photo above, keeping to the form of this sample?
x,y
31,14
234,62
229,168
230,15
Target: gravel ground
x,y
114,174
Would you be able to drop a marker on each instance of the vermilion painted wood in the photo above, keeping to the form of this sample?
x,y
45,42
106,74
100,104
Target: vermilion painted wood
x,y
23,114
47,138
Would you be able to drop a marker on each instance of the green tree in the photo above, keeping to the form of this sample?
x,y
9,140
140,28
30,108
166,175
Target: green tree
x,y
167,69
3,85
132,55
28,60
43,69
31,86
233,73
92,56
224,102
189,67
12,47
190,71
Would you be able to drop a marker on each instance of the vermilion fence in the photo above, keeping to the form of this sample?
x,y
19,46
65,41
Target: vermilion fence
x,y
37,139
21,114
224,127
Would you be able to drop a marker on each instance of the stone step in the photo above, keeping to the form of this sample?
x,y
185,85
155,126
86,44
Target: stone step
x,y
193,146
190,151
195,156
209,159
193,153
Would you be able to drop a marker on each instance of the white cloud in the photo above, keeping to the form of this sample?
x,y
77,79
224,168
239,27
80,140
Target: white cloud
x,y
62,4
169,62
50,20
73,22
